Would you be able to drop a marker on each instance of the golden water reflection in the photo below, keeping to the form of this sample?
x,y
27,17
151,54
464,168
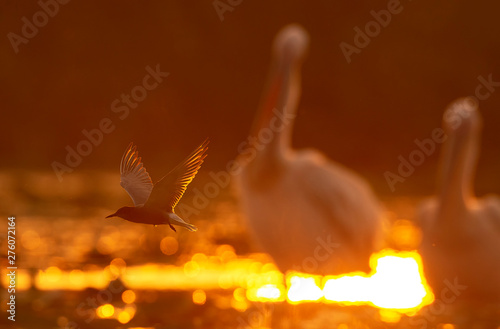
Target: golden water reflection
x,y
69,252
396,284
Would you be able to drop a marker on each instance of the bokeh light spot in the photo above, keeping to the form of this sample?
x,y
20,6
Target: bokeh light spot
x,y
124,317
30,240
119,263
76,276
62,321
239,294
169,245
105,311
191,269
199,297
128,296
53,274
449,326
405,234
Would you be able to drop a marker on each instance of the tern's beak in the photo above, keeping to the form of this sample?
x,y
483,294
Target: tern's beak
x,y
112,215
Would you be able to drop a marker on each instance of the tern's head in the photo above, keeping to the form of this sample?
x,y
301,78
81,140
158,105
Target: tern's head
x,y
123,212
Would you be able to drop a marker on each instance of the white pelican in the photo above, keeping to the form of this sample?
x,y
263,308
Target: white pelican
x,y
461,234
154,204
309,214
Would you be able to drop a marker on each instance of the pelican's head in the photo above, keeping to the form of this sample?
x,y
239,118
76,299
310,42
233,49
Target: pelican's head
x,y
462,125
462,117
291,44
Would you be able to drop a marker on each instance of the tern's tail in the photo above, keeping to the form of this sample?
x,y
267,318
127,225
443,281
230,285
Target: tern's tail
x,y
176,220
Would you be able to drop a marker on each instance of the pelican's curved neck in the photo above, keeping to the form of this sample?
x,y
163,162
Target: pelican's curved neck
x,y
270,139
272,130
458,162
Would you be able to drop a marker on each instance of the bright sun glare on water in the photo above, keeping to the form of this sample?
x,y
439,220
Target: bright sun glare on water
x,y
396,282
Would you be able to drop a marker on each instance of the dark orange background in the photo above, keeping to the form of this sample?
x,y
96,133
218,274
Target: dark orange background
x,y
363,114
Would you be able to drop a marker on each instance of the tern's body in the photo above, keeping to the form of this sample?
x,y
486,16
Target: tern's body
x,y
155,203
148,215
308,213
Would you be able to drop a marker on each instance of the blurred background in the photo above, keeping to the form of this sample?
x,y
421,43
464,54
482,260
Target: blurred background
x,y
65,78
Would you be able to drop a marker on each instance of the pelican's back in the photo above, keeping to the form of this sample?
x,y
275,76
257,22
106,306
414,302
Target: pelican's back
x,y
318,217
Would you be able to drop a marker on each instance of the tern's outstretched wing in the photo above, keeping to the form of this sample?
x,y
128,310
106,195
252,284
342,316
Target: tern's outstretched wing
x,y
169,190
134,177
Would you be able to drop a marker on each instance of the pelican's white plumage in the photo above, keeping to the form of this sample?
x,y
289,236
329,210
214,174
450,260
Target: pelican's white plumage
x,y
461,233
308,213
